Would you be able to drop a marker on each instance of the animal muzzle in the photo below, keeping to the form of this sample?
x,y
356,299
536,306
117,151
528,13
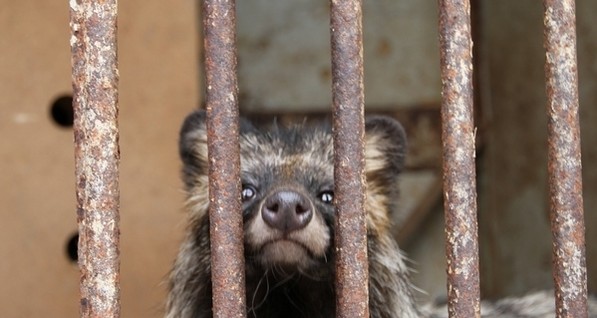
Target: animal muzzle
x,y
287,211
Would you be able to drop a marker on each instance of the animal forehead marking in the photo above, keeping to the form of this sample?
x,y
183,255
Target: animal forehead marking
x,y
294,162
312,152
288,162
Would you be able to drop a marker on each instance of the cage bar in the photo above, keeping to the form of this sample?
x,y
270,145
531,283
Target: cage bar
x,y
95,102
352,276
564,160
226,224
458,139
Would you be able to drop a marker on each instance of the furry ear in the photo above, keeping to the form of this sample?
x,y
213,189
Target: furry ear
x,y
385,150
193,145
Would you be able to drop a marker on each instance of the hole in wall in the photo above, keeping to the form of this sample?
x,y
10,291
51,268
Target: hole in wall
x,y
72,248
62,111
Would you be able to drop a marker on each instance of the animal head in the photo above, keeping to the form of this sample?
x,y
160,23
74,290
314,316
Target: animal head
x,y
287,176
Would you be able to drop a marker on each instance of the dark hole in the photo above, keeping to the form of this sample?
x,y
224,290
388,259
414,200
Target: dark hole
x,y
72,248
62,111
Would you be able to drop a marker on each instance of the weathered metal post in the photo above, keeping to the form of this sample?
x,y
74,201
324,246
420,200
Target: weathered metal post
x,y
95,86
458,138
352,277
564,160
226,228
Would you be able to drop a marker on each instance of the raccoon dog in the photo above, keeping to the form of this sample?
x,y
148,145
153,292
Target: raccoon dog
x,y
288,214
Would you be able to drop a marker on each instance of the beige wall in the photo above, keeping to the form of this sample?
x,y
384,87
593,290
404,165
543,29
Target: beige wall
x,y
158,86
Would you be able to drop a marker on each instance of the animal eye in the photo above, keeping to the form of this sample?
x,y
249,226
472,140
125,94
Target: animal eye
x,y
326,197
247,193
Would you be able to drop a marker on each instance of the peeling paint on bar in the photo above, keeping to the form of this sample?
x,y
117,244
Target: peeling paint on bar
x,y
95,81
564,160
352,276
458,138
226,230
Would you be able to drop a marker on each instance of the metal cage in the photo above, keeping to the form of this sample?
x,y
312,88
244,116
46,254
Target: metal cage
x,y
95,83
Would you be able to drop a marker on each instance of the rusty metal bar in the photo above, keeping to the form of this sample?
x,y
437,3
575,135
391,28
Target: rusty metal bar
x,y
226,228
95,81
564,160
458,138
352,276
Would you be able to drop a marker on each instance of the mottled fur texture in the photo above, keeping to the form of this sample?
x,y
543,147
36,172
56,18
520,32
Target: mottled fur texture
x,y
290,262
540,304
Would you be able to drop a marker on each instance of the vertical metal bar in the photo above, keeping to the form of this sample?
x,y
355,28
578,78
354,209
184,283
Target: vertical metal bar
x,y
95,81
458,138
564,160
226,231
352,277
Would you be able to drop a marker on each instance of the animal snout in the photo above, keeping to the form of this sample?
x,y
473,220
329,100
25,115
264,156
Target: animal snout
x,y
287,211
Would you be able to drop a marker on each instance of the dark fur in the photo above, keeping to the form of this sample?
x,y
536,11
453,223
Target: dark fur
x,y
292,279
297,280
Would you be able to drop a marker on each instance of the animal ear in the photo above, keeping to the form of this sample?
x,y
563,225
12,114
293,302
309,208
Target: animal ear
x,y
385,149
193,145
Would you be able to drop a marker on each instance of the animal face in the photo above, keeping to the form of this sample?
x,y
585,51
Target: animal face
x,y
287,176
287,194
288,186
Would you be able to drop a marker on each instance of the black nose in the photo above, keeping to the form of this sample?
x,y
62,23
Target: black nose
x,y
287,211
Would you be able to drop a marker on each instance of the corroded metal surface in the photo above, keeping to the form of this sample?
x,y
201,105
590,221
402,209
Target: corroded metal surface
x,y
352,276
95,80
226,231
564,160
283,39
458,138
